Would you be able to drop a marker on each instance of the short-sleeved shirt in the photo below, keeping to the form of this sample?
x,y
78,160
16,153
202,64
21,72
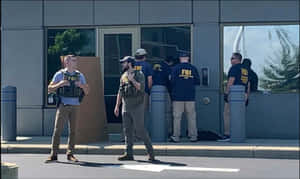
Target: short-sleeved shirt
x,y
161,73
59,76
146,68
184,78
131,97
240,74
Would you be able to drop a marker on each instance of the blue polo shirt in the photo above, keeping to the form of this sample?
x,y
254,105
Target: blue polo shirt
x,y
59,76
161,72
184,78
240,73
146,68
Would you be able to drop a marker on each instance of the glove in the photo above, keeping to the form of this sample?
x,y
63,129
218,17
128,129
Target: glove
x,y
247,102
226,98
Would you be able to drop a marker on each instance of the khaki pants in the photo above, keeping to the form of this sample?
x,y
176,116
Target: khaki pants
x,y
133,121
64,113
189,108
226,116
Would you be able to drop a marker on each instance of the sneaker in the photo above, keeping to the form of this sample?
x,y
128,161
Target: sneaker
x,y
193,140
225,138
52,158
71,158
172,139
125,157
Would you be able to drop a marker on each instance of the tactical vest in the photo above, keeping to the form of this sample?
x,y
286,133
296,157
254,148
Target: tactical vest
x,y
127,88
72,90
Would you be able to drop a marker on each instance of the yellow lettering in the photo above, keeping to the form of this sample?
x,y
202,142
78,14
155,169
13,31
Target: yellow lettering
x,y
139,68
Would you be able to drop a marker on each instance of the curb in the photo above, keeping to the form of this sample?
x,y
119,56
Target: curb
x,y
165,150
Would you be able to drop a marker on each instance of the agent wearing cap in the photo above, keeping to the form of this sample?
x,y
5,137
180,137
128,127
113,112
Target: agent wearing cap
x,y
131,95
237,75
145,67
184,78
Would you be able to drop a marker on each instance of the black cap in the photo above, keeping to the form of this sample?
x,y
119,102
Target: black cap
x,y
129,59
183,54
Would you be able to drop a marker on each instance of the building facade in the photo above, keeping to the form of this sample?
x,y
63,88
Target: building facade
x,y
163,28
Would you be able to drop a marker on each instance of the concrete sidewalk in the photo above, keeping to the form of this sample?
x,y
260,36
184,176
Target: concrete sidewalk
x,y
252,148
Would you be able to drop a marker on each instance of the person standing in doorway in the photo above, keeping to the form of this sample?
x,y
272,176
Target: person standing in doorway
x,y
145,67
237,75
131,95
69,84
184,79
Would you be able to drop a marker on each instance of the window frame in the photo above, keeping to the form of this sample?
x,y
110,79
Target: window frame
x,y
228,24
45,94
97,51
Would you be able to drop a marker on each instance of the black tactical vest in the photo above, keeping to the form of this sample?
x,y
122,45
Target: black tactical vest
x,y
72,90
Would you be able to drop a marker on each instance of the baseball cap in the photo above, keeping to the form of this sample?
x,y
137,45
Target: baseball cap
x,y
129,59
140,52
183,54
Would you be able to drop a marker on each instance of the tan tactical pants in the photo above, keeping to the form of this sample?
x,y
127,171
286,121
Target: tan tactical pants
x,y
64,113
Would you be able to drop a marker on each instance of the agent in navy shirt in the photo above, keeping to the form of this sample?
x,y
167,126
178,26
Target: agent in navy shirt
x,y
146,68
237,75
161,73
184,78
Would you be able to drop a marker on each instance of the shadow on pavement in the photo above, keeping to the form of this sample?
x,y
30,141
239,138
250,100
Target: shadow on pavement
x,y
162,162
91,164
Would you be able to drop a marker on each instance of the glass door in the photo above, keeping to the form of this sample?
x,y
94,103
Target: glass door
x,y
114,44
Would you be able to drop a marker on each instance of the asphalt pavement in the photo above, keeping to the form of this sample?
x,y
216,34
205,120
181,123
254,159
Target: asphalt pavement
x,y
32,166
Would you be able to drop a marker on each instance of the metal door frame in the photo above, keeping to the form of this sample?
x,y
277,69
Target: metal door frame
x,y
101,31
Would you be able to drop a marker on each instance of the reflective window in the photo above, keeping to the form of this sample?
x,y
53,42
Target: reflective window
x,y
61,42
273,51
165,42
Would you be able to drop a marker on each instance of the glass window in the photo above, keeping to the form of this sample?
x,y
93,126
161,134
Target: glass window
x,y
165,42
61,42
273,51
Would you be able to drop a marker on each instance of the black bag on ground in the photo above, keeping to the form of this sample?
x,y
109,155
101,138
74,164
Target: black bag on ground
x,y
208,136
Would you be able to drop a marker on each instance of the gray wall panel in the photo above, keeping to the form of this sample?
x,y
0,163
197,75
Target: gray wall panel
x,y
206,51
243,11
208,116
273,116
49,121
29,122
206,11
154,12
21,13
22,64
68,12
116,12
